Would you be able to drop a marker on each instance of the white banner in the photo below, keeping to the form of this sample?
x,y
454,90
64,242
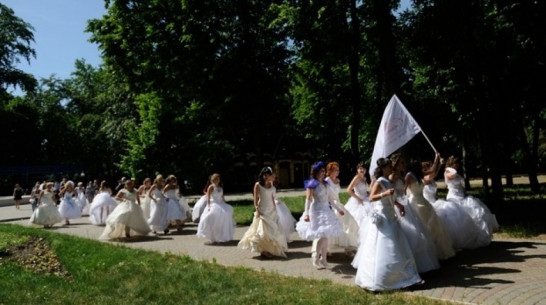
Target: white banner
x,y
396,129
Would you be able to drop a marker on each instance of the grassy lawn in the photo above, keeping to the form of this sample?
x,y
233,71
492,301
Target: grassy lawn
x,y
42,267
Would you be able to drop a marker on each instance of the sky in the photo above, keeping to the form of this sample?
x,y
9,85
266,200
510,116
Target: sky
x,y
59,37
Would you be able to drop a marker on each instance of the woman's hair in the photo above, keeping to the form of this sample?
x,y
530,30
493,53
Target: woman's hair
x,y
158,178
214,176
265,171
170,178
331,167
104,185
452,160
382,163
49,184
415,167
146,180
315,169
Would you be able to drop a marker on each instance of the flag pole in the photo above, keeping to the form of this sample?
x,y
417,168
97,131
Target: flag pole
x,y
435,151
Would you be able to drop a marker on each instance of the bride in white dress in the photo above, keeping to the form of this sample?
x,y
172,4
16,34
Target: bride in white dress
x,y
46,213
416,232
348,241
486,222
216,224
318,220
384,260
424,210
127,219
359,204
265,235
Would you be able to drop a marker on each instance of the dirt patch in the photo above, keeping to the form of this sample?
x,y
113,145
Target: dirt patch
x,y
36,255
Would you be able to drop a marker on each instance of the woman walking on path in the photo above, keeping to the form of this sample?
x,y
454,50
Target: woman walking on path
x,y
486,222
175,211
68,207
384,260
158,220
127,219
318,220
424,210
265,235
358,204
417,234
216,224
46,214
17,195
348,241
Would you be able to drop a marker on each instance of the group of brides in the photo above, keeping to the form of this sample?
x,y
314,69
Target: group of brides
x,y
394,228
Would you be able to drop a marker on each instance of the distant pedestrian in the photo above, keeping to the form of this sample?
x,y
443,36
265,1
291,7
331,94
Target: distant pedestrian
x,y
17,195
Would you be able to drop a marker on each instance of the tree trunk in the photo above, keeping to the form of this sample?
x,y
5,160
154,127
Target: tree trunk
x,y
353,62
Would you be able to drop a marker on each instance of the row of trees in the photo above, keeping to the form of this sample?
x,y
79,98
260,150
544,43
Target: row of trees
x,y
190,87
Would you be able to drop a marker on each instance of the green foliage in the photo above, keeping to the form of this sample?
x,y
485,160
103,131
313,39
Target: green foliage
x,y
15,39
142,138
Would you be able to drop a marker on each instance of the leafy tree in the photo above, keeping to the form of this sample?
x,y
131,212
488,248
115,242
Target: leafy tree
x,y
15,39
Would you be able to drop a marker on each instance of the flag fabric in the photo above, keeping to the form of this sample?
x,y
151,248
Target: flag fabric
x,y
396,129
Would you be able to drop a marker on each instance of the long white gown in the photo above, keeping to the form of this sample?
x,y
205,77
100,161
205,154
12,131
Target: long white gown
x,y
384,260
175,211
349,239
436,227
265,234
68,207
486,222
145,204
217,224
46,213
357,210
460,226
158,220
417,234
127,214
103,204
322,219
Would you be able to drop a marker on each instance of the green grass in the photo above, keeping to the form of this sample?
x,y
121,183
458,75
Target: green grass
x,y
103,273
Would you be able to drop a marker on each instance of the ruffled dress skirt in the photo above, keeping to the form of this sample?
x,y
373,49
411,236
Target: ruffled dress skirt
x,y
217,224
126,214
158,220
322,223
265,234
69,208
103,204
357,210
460,226
45,215
175,211
348,240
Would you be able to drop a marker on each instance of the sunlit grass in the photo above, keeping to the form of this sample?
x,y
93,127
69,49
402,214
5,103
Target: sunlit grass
x,y
103,273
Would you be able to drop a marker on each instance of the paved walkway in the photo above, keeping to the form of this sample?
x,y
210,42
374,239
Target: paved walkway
x,y
506,272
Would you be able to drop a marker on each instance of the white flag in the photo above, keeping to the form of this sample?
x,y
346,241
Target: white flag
x,y
396,129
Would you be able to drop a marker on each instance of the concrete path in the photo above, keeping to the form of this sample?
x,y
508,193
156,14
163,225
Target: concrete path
x,y
509,271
